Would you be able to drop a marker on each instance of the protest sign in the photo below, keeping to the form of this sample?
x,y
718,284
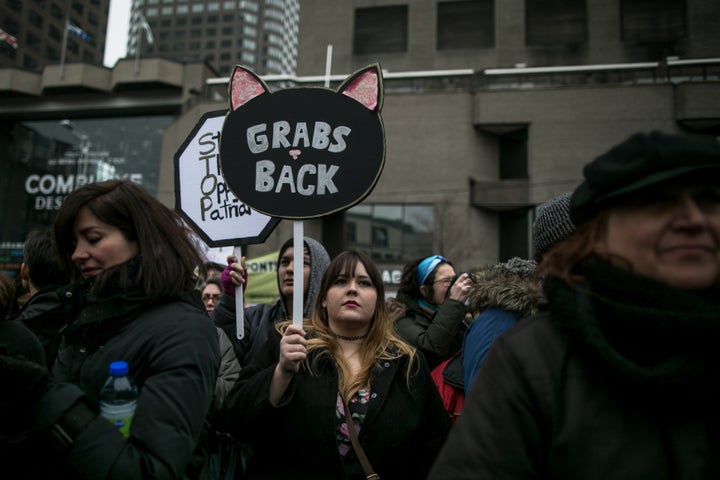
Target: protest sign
x,y
303,152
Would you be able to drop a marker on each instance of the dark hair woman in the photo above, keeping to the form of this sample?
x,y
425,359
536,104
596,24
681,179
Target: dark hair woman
x,y
134,301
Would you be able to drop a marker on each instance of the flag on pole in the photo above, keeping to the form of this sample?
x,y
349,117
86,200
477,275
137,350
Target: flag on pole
x,y
143,23
77,31
7,38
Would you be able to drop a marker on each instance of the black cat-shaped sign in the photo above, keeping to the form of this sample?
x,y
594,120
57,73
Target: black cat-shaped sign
x,y
303,152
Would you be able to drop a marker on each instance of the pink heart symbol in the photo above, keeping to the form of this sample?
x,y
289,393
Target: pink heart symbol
x,y
294,154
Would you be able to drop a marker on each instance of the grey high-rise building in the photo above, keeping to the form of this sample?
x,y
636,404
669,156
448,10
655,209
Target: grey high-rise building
x,y
260,34
32,33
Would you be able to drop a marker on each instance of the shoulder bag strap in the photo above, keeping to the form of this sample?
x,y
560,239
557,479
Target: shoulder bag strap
x,y
367,468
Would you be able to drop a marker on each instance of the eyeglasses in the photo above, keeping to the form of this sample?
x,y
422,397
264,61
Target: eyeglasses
x,y
446,280
215,298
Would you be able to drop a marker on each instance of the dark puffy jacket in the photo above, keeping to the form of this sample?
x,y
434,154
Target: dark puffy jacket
x,y
438,338
538,411
173,354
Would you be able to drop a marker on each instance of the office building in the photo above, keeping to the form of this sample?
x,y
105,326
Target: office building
x,y
261,34
490,108
32,33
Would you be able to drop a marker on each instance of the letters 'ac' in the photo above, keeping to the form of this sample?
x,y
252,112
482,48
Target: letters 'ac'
x,y
303,152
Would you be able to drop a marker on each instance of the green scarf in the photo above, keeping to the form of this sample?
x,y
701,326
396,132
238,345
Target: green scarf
x,y
643,331
105,312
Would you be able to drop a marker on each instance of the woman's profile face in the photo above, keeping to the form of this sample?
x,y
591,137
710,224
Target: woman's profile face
x,y
671,235
98,245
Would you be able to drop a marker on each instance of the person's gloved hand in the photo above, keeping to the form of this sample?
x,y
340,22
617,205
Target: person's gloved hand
x,y
24,383
234,275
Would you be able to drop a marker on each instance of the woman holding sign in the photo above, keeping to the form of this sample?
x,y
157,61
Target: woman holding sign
x,y
292,404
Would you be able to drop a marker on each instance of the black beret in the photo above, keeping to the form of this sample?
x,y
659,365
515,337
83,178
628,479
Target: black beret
x,y
643,160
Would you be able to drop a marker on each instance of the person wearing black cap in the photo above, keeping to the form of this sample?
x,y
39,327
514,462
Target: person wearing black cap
x,y
620,378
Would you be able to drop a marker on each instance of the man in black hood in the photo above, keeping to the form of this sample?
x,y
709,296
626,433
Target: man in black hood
x,y
47,311
260,319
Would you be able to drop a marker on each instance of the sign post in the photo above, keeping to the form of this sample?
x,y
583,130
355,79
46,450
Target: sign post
x,y
205,202
303,153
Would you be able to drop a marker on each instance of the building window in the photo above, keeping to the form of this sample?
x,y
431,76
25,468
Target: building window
x,y
47,156
54,33
391,232
33,42
29,62
555,23
513,155
514,233
652,21
35,19
465,24
380,30
78,7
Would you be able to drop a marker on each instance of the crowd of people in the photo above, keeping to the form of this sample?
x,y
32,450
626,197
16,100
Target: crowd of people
x,y
594,358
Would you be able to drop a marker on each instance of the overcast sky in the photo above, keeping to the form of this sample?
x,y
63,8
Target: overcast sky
x,y
116,41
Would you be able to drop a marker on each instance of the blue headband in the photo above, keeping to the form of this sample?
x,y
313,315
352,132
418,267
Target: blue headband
x,y
426,267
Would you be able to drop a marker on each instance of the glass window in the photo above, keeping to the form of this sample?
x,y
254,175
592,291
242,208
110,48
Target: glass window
x,y
380,30
466,24
35,19
391,232
182,9
514,238
555,22
45,160
513,155
652,21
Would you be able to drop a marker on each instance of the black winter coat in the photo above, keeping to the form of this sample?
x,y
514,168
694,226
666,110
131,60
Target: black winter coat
x,y
538,411
173,354
401,434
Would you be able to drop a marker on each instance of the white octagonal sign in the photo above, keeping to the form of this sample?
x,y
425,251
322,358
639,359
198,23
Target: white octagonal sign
x,y
202,196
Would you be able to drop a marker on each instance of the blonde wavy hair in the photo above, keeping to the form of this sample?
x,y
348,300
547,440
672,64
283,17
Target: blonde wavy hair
x,y
381,343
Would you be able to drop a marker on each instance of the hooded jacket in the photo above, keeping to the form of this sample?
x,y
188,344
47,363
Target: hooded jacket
x,y
502,294
260,319
45,314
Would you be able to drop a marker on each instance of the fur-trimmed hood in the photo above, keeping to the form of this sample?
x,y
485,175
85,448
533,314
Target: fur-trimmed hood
x,y
512,285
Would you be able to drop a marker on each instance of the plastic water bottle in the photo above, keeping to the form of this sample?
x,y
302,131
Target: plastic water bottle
x,y
118,397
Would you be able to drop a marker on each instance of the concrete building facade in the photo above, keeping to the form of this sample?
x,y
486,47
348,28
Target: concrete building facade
x,y
476,137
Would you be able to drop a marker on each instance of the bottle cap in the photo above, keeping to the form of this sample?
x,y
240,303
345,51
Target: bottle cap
x,y
119,368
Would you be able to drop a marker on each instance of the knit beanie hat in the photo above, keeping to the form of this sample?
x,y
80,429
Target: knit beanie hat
x,y
552,224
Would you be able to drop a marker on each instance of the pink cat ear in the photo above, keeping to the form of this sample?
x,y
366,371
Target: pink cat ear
x,y
244,86
365,87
